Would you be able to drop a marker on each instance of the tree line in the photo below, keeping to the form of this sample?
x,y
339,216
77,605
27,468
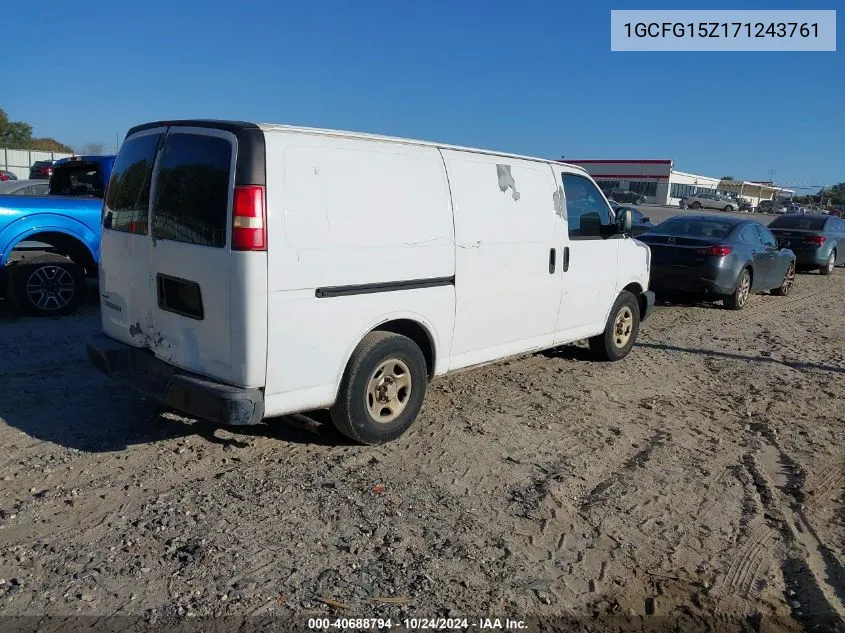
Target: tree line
x,y
18,135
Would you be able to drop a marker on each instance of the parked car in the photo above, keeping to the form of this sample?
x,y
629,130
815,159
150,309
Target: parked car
x,y
709,201
6,176
240,226
817,239
745,205
50,243
627,197
23,188
772,207
717,256
41,169
639,223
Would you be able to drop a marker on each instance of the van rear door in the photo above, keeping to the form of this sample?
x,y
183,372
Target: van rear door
x,y
190,262
176,290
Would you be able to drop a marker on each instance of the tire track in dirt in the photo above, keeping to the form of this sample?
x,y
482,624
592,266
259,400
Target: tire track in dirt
x,y
810,573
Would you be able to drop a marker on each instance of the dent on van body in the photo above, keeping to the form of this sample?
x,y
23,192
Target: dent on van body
x,y
506,181
557,199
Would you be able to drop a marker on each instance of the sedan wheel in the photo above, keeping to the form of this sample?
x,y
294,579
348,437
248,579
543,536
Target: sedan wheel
x,y
739,298
696,205
827,269
788,282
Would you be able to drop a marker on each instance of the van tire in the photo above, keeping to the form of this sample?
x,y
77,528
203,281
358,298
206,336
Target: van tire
x,y
352,411
60,269
620,332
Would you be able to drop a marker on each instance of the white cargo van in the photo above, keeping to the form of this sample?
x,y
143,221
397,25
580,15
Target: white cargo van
x,y
250,271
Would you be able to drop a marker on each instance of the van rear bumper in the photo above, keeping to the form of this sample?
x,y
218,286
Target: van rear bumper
x,y
184,391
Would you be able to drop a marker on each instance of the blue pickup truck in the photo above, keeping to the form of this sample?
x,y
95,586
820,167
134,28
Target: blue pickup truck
x,y
50,245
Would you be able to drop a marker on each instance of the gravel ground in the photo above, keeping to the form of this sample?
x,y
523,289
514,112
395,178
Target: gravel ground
x,y
701,478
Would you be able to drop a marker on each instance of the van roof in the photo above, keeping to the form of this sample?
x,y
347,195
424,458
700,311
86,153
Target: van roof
x,y
235,126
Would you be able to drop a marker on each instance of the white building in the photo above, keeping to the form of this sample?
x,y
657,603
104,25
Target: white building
x,y
662,184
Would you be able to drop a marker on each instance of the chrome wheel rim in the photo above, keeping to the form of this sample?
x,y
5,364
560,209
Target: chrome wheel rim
x,y
788,279
744,289
50,288
389,390
623,326
831,262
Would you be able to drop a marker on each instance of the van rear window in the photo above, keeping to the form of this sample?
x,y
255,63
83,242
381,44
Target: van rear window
x,y
128,197
191,190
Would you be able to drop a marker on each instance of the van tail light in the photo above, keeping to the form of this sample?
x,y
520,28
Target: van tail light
x,y
249,219
719,251
814,240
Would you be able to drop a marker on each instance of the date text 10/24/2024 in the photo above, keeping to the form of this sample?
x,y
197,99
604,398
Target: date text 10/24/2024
x,y
431,624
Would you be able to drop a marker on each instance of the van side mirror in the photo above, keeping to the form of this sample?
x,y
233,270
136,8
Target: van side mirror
x,y
624,220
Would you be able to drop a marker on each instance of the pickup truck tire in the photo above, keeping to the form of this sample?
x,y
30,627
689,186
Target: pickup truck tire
x,y
382,389
620,332
46,285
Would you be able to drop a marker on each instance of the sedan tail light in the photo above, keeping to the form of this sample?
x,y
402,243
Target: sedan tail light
x,y
719,251
814,240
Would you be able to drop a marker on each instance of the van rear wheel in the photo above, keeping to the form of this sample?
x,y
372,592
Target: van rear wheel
x,y
621,330
382,389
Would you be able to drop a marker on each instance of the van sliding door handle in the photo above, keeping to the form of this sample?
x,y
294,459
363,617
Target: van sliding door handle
x,y
565,258
552,260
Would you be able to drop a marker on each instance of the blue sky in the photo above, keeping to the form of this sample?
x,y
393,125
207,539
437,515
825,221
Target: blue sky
x,y
528,77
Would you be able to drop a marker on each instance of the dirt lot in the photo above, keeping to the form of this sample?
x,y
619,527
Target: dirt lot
x,y
701,478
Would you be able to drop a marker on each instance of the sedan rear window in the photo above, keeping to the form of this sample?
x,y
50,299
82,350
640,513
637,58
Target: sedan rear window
x,y
801,222
191,190
694,228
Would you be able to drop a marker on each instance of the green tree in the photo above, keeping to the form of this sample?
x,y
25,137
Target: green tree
x,y
727,177
18,135
836,193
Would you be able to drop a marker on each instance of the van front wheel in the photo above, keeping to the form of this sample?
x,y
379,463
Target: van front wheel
x,y
621,330
382,389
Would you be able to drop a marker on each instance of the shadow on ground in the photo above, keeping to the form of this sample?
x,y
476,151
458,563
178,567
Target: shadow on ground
x,y
743,357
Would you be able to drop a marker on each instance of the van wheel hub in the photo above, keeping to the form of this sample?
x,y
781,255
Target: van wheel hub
x,y
389,390
623,327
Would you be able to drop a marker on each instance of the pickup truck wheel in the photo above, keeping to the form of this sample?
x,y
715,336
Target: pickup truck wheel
x,y
47,285
621,330
382,389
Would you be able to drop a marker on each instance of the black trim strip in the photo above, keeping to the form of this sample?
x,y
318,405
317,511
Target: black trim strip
x,y
387,286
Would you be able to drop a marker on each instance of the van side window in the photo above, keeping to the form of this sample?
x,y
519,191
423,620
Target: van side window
x,y
128,198
586,210
191,192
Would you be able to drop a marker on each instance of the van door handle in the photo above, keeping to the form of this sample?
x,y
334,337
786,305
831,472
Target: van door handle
x,y
552,260
565,258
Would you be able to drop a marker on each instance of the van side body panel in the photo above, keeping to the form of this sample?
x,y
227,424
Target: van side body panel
x,y
509,251
346,216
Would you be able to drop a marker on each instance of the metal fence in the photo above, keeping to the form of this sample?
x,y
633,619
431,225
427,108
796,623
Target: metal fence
x,y
18,161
